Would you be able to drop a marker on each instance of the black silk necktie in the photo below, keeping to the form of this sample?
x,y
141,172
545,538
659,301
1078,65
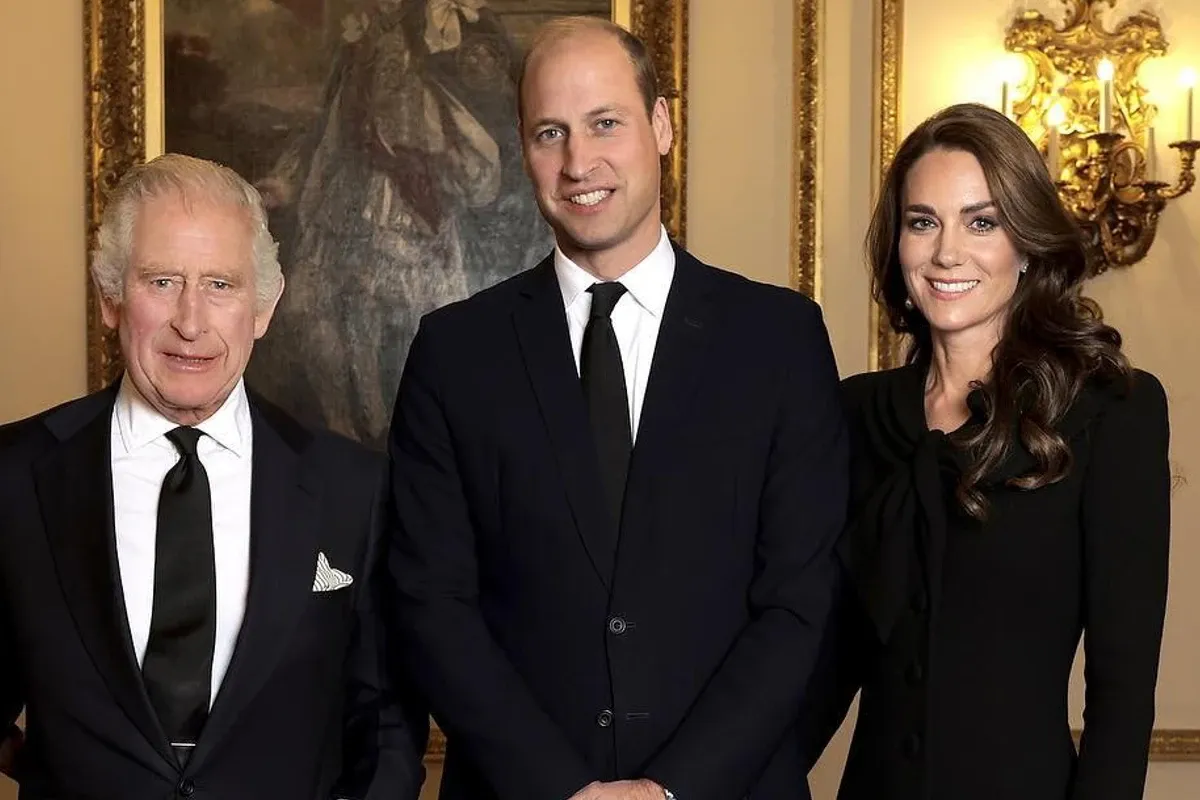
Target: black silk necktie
x,y
177,667
604,388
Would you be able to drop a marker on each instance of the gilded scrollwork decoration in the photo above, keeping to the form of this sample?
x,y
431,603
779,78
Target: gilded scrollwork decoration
x,y
1087,109
886,347
116,110
806,137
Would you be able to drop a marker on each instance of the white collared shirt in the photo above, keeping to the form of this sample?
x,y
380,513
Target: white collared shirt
x,y
636,317
141,457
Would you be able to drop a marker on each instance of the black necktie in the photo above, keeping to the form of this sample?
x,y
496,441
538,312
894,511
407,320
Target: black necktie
x,y
604,388
177,667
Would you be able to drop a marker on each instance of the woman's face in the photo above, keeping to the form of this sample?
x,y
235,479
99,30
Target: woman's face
x,y
960,266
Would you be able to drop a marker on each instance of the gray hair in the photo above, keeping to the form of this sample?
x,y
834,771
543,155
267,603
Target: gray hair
x,y
191,179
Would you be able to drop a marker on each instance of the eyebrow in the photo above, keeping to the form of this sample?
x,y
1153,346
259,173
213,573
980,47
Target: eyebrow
x,y
602,111
921,208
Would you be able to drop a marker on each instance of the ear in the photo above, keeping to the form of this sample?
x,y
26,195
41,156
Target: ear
x,y
660,121
110,311
262,317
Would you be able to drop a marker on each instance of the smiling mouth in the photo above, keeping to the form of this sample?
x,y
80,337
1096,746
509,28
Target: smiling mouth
x,y
953,287
189,361
590,198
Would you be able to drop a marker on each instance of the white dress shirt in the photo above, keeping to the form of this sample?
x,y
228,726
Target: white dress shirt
x,y
141,457
635,318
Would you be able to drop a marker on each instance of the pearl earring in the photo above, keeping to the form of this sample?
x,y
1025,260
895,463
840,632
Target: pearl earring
x,y
1024,267
908,303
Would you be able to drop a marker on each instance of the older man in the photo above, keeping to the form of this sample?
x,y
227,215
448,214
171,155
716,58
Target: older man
x,y
186,593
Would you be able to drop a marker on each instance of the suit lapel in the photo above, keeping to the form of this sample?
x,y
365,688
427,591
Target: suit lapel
x,y
74,487
684,338
284,527
541,326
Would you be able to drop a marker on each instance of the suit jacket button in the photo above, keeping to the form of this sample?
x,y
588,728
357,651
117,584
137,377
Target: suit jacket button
x,y
604,718
912,745
186,788
915,673
617,626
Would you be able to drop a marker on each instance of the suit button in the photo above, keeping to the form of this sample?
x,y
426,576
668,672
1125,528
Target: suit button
x,y
912,745
920,601
604,718
186,788
915,673
617,626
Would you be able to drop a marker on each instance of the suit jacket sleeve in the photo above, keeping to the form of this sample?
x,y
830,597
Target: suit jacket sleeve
x,y
476,695
1127,520
754,697
386,725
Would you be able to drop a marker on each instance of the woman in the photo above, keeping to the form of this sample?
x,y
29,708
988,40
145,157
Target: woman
x,y
1011,492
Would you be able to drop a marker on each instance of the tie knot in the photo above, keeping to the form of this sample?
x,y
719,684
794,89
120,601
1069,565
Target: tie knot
x,y
605,297
184,439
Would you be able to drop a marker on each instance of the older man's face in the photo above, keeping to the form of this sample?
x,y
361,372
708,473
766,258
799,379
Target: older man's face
x,y
188,319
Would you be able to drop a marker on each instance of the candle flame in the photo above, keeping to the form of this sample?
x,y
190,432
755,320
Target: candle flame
x,y
1187,78
1104,70
1014,68
1056,116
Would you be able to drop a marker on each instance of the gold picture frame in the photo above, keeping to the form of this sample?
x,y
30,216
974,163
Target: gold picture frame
x,y
119,91
886,346
117,97
808,19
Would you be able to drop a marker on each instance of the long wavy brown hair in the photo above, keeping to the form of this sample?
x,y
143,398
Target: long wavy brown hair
x,y
1054,339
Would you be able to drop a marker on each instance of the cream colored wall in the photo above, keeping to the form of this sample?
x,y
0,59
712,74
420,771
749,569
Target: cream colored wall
x,y
41,212
41,206
739,135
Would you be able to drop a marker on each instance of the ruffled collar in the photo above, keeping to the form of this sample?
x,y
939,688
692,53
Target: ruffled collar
x,y
907,512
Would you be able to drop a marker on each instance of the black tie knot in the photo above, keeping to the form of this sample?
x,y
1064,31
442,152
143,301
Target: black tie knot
x,y
185,440
605,297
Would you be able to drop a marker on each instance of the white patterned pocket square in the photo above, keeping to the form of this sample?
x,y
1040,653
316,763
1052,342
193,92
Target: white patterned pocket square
x,y
329,579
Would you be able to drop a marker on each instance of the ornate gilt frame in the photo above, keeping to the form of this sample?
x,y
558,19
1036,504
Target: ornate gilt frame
x,y
115,119
808,19
886,347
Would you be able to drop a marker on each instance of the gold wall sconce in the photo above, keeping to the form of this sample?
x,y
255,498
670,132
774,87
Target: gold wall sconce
x,y
1081,101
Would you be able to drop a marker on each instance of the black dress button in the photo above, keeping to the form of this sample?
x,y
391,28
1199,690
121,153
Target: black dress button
x,y
915,673
912,745
186,788
617,626
604,718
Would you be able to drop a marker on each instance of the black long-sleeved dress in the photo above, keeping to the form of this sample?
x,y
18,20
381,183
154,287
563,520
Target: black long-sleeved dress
x,y
961,634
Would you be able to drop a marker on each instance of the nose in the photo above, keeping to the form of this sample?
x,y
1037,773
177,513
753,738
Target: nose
x,y
949,250
190,320
580,159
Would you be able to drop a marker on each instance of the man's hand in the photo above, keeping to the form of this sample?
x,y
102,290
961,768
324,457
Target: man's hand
x,y
641,789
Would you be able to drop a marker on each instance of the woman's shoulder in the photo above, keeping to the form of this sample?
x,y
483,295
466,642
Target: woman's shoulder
x,y
1133,399
1140,395
867,389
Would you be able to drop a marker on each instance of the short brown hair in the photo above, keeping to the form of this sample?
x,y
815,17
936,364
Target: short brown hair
x,y
561,28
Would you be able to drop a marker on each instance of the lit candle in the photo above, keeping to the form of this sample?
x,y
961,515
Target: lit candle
x,y
1151,158
1054,119
1013,70
1104,71
1188,79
